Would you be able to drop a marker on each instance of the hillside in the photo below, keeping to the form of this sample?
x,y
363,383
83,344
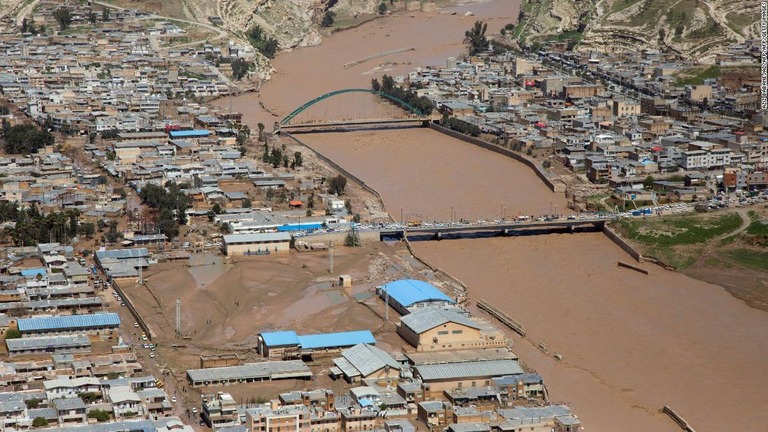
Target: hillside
x,y
695,28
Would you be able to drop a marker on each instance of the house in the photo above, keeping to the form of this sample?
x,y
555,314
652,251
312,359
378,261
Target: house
x,y
70,411
125,402
409,294
433,329
365,361
256,244
440,377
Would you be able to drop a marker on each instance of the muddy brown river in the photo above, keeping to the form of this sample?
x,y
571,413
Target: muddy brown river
x,y
630,343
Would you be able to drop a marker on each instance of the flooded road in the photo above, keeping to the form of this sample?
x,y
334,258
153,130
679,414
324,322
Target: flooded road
x,y
630,343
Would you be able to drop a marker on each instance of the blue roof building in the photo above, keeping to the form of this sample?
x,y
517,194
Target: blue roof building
x,y
69,324
286,344
406,294
195,133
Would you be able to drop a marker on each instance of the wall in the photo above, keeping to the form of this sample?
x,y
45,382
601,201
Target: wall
x,y
614,237
339,169
554,186
240,249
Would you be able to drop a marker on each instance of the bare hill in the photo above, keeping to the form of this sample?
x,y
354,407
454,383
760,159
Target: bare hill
x,y
695,28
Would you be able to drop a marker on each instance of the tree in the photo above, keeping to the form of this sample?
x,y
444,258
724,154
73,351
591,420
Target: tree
x,y
352,239
87,229
261,131
298,159
240,68
216,209
12,334
32,403
648,182
226,228
99,415
39,422
92,17
475,38
337,185
382,8
63,17
662,34
375,85
679,28
26,138
263,43
328,19
105,14
247,203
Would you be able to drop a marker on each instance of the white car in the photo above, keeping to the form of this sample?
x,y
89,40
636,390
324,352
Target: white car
x,y
151,355
173,399
136,325
194,410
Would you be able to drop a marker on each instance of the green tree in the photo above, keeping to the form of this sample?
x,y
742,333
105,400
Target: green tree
x,y
382,8
352,239
298,159
87,229
105,14
99,415
92,17
337,185
648,182
63,17
12,334
328,19
26,138
240,68
475,38
263,43
216,209
39,422
32,403
247,203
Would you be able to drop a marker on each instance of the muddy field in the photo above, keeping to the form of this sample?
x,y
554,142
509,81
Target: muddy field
x,y
225,304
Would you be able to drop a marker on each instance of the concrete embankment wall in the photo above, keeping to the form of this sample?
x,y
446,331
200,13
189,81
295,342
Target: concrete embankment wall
x,y
553,185
341,170
614,237
438,271
338,237
132,309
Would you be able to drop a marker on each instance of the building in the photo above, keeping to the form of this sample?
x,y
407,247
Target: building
x,y
363,362
269,418
557,418
48,345
220,411
434,329
407,295
287,344
100,325
440,377
256,244
249,372
69,388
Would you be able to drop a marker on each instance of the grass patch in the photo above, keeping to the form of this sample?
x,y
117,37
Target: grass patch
x,y
679,231
569,35
757,228
676,258
699,77
749,258
739,21
623,4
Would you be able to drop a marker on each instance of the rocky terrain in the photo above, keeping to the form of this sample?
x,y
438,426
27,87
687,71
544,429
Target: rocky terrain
x,y
694,28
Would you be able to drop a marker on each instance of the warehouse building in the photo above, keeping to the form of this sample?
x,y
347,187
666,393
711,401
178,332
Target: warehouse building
x,y
287,344
407,295
435,329
48,345
256,244
102,325
250,372
363,362
440,377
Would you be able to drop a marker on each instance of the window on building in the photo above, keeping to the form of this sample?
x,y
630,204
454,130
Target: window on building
x,y
442,332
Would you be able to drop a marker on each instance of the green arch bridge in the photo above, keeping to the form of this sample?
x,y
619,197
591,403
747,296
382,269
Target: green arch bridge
x,y
300,109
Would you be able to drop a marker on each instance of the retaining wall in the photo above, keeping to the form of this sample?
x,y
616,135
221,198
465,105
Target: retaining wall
x,y
129,304
614,237
341,170
554,186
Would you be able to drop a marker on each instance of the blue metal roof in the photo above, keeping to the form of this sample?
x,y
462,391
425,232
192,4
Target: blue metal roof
x,y
189,133
68,322
410,291
300,227
333,340
280,338
33,272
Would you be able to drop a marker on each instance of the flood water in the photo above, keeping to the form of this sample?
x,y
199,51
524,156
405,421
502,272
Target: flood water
x,y
630,343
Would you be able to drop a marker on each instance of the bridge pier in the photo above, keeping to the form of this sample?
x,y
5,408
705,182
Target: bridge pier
x,y
438,236
571,229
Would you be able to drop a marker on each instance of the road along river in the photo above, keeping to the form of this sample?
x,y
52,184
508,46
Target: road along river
x,y
630,343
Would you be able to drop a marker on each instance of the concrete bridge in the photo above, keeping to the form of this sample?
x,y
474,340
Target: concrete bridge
x,y
346,125
502,228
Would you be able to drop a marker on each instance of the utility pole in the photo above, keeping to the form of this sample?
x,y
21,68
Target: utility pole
x,y
178,316
386,306
141,274
330,249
